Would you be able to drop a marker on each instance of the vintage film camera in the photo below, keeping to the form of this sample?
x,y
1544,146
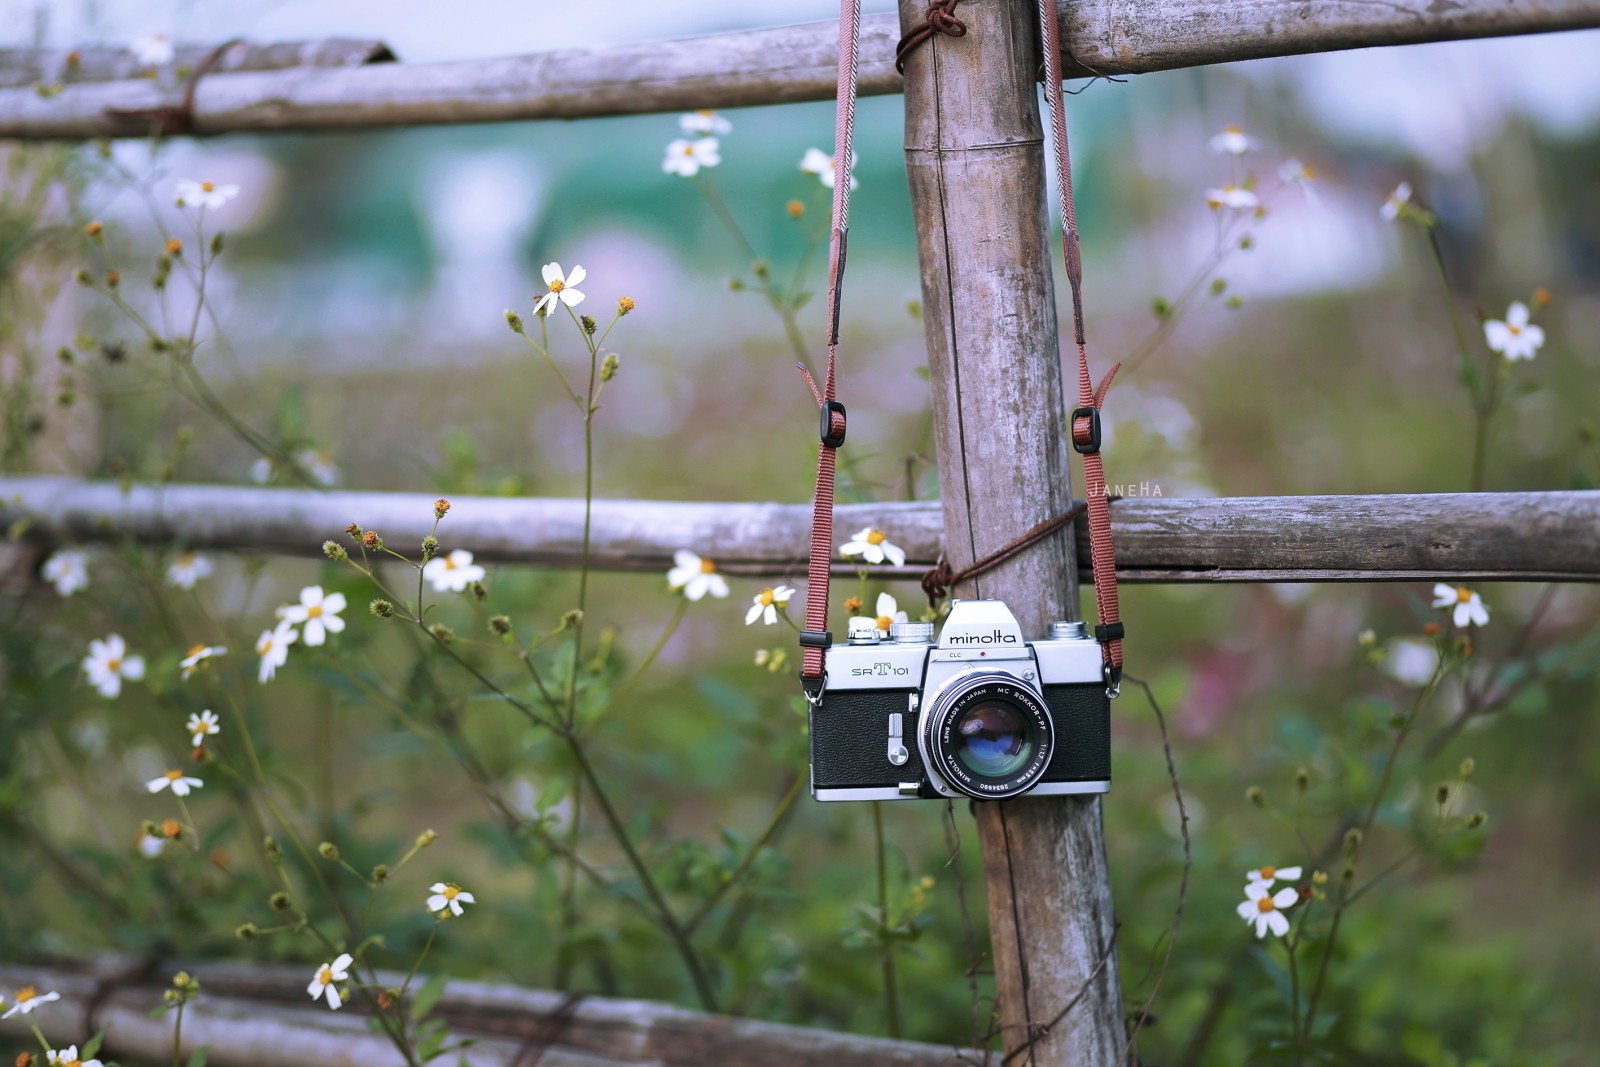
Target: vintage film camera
x,y
982,714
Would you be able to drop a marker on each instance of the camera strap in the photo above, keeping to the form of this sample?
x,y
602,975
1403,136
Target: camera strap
x,y
815,638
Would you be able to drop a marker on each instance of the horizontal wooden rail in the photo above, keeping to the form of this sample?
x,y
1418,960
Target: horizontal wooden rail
x,y
1445,537
258,1015
50,67
770,66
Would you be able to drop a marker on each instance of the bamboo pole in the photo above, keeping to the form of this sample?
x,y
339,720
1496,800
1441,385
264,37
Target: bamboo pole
x,y
767,66
1453,537
52,67
975,160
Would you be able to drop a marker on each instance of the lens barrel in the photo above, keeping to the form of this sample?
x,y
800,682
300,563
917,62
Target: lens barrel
x,y
988,736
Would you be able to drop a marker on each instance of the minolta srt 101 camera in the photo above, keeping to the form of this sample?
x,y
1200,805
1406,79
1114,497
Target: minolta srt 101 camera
x,y
982,714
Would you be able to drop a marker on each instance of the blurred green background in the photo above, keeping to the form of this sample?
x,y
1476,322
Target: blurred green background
x,y
361,299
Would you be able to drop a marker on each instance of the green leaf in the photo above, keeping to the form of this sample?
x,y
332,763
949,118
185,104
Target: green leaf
x,y
199,1057
427,998
91,1046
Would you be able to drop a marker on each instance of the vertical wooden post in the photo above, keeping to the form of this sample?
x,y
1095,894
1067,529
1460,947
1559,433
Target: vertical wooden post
x,y
975,161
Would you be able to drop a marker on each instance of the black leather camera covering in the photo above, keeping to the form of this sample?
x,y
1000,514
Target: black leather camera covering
x,y
850,737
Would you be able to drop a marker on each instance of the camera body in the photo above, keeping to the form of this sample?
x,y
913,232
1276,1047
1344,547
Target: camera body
x,y
982,714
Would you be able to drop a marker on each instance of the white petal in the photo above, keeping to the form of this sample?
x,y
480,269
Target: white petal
x,y
571,297
133,667
1517,315
1255,890
333,603
896,554
333,996
1286,897
315,988
717,585
1247,910
886,604
551,272
1277,922
754,613
156,785
1443,595
339,965
577,276
696,587
1289,874
1497,335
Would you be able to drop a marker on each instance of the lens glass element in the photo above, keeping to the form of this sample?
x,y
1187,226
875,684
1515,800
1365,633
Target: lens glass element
x,y
991,738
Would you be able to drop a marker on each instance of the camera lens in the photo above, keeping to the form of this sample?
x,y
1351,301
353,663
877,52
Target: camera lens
x,y
992,739
988,736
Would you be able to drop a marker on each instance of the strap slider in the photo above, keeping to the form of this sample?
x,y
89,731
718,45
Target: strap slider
x,y
816,638
829,438
1092,445
1108,633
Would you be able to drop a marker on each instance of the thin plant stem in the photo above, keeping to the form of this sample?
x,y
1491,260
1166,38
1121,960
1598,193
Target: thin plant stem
x,y
891,997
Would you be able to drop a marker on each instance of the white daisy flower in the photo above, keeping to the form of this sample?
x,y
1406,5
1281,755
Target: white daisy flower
x,y
177,781
1294,172
1469,607
1267,875
448,895
27,1000
68,1057
273,645
322,983
319,613
188,569
695,576
261,471
67,569
767,604
150,845
203,725
204,194
1516,338
1233,141
888,613
1265,908
561,288
318,464
154,50
685,158
1231,196
1398,201
704,123
198,654
108,663
873,546
818,162
1410,660
452,573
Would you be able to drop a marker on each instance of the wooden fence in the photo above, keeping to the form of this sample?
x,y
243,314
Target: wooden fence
x,y
976,169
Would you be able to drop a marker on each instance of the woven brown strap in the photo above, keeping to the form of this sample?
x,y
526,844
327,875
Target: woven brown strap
x,y
939,579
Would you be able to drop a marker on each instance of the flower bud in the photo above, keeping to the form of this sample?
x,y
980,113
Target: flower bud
x,y
1319,877
81,276
370,539
95,229
1468,764
334,551
24,1059
1541,297
625,305
269,845
174,247
440,506
216,245
1477,819
1255,796
609,366
760,269
112,278
1366,638
246,931
499,624
796,209
380,873
171,828
381,608
1302,778
1352,841
852,605
430,547
354,531
280,901
735,285
1348,874
328,850
1441,796
571,619
514,321
588,324
1431,629
442,633
426,838
386,1000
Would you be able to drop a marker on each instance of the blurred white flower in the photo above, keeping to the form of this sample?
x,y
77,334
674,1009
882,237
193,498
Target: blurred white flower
x,y
1267,875
108,663
261,471
561,288
1266,909
1411,661
449,896
203,725
1468,607
1294,172
68,1057
1398,201
318,612
204,194
873,546
767,604
322,983
1515,338
818,162
452,573
198,654
67,569
188,569
687,157
177,781
27,1000
704,123
695,576
154,50
273,645
888,612
319,464
1233,141
149,844
1231,196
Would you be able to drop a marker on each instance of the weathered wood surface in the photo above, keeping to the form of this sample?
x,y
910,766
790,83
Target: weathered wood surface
x,y
1426,537
258,1015
33,67
768,66
976,165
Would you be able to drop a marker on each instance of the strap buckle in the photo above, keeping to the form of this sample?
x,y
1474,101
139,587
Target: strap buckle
x,y
814,687
825,431
1112,676
1092,445
816,638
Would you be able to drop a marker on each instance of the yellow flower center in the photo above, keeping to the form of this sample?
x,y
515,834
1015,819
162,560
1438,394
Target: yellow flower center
x,y
25,994
208,187
707,567
1514,328
1463,595
451,891
314,612
325,976
114,665
557,285
172,776
186,559
72,1063
196,650
1232,129
884,622
1265,905
1268,873
877,537
766,597
450,563
706,112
